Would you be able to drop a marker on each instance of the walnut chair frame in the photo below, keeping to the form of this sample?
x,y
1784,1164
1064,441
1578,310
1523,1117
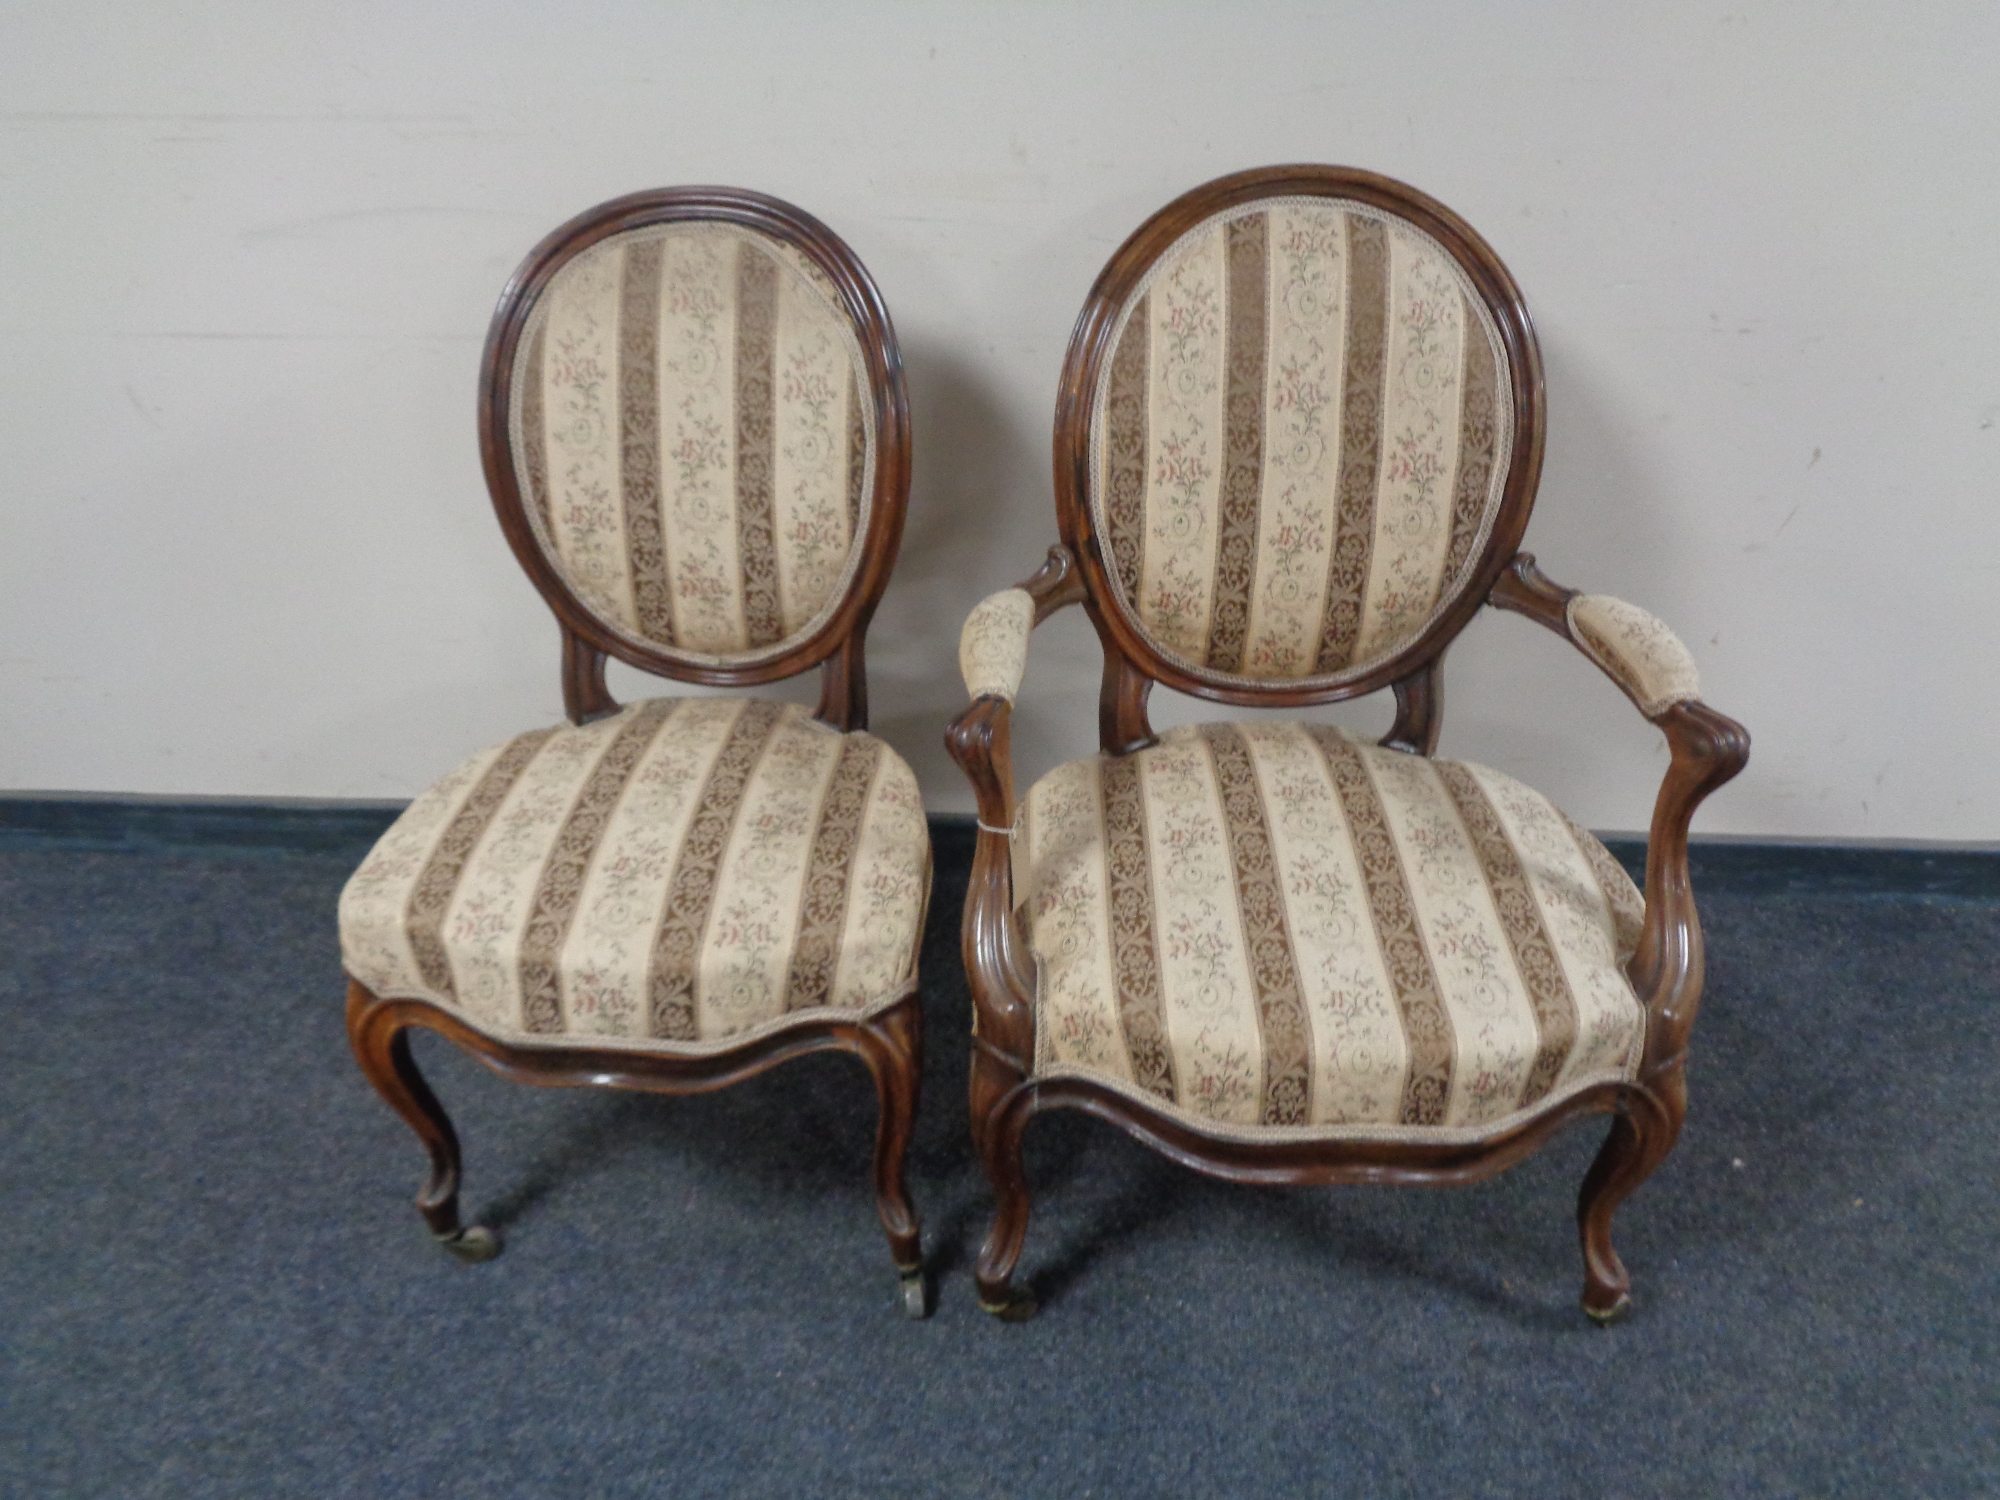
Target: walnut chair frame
x,y
1666,972
890,1042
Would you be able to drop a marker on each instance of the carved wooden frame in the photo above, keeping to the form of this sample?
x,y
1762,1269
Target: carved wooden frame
x,y
1666,971
890,1041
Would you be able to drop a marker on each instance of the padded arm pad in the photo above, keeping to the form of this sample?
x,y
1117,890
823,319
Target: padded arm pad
x,y
1639,652
993,647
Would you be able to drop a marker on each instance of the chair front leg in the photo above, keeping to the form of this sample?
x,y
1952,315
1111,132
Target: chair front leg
x,y
1001,975
1642,1135
893,1050
380,1037
1001,1107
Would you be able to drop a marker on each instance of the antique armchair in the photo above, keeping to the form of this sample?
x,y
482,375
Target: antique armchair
x,y
696,436
1297,440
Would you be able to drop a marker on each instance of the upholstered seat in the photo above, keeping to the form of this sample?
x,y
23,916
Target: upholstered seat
x,y
684,875
1275,930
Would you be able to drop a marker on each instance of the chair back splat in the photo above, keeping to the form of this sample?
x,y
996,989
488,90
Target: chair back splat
x,y
697,439
1298,438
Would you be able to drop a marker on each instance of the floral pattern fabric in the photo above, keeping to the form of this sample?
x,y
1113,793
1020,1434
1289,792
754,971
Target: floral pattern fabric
x,y
693,429
682,875
993,646
1271,927
1300,441
1638,650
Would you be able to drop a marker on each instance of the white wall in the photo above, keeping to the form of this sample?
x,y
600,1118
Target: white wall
x,y
247,254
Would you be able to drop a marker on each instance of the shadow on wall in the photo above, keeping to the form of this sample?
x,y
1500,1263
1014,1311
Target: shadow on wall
x,y
1523,701
979,476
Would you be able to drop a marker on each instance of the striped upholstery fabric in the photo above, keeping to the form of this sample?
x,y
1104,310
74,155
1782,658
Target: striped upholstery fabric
x,y
1299,443
993,645
1272,927
1638,649
680,875
693,432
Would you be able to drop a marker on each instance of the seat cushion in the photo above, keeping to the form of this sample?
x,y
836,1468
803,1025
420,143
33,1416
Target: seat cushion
x,y
680,876
1274,928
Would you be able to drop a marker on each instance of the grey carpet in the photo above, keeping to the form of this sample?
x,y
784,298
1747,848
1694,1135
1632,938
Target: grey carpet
x,y
212,1280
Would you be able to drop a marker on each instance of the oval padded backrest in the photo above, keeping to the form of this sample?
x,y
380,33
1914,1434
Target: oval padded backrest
x,y
1299,444
692,430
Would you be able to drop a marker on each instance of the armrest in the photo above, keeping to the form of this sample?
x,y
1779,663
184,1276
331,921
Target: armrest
x,y
1649,662
1636,650
993,646
992,653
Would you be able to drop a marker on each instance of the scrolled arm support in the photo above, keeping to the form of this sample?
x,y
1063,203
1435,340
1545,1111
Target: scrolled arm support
x,y
995,948
1055,585
1708,748
992,653
1634,649
1667,970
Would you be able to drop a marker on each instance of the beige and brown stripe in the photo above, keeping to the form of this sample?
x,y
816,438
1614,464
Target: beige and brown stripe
x,y
691,888
1129,912
857,454
1628,906
756,389
830,875
1427,1024
534,433
1244,269
1535,957
560,886
1367,349
1126,450
1283,1037
1478,441
432,891
639,427
1493,937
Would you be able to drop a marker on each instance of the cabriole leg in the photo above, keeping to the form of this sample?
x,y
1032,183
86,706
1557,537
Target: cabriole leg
x,y
382,1046
895,1058
1639,1141
1000,1111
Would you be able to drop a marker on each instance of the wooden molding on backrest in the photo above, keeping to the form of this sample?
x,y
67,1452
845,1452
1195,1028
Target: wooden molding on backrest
x,y
1132,664
586,641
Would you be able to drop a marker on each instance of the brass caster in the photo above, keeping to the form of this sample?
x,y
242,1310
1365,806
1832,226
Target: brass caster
x,y
1018,1308
1604,1317
916,1293
472,1245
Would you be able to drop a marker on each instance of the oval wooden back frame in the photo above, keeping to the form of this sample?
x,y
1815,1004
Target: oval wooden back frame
x,y
1127,652
837,643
